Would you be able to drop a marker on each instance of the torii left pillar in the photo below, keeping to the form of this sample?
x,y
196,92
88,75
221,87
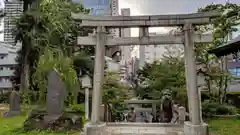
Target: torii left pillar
x,y
95,127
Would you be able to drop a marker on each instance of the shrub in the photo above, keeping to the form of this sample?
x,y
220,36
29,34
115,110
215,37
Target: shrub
x,y
226,109
210,109
31,97
238,110
78,108
4,97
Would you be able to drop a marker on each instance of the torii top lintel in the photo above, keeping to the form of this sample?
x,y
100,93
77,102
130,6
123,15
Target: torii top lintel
x,y
145,21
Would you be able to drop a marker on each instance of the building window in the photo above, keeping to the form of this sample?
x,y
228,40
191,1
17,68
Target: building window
x,y
155,54
11,68
2,80
235,71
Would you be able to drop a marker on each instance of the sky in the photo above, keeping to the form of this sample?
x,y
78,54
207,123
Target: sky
x,y
153,7
156,7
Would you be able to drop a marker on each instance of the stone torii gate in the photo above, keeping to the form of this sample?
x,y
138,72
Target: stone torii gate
x,y
188,38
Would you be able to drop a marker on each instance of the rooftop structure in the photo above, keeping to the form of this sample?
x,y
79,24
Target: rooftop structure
x,y
233,65
232,46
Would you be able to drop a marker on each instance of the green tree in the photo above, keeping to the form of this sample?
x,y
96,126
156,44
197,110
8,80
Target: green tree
x,y
217,76
114,93
167,73
54,58
47,24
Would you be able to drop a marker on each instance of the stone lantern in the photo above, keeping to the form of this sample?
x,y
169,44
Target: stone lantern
x,y
86,84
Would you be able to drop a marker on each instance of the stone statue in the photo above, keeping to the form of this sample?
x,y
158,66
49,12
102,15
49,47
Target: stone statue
x,y
131,115
166,106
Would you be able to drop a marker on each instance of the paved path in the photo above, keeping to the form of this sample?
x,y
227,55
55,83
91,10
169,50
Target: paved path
x,y
143,130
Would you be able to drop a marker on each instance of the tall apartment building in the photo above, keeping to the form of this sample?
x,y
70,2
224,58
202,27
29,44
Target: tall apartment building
x,y
150,53
108,8
125,32
13,10
115,52
127,61
98,7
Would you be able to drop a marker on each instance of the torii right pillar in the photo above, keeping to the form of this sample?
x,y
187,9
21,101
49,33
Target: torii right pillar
x,y
195,126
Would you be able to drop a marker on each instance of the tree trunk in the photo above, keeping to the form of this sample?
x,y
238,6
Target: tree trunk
x,y
24,82
221,82
208,80
105,112
226,80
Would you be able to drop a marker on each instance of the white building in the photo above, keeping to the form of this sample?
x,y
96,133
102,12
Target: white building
x,y
7,65
112,65
150,53
126,32
115,51
128,58
13,10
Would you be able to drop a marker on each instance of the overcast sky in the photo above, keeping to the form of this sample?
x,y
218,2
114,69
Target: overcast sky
x,y
153,7
149,7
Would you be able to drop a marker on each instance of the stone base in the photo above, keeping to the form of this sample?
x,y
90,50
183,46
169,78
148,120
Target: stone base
x,y
190,129
11,113
94,129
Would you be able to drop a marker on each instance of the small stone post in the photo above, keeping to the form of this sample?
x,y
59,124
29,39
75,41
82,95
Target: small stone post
x,y
14,104
86,84
154,109
182,114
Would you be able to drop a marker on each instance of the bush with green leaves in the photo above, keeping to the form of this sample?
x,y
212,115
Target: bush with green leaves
x,y
53,58
79,108
209,109
4,97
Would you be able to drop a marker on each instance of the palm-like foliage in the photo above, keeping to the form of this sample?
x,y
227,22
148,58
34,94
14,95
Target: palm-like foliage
x,y
48,24
54,58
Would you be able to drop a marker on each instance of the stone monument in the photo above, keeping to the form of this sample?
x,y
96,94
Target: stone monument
x,y
14,104
56,93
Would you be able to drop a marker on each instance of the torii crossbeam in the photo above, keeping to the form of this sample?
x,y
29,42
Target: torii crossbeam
x,y
145,40
144,21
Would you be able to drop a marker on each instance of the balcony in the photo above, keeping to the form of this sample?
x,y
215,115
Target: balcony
x,y
6,72
5,83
